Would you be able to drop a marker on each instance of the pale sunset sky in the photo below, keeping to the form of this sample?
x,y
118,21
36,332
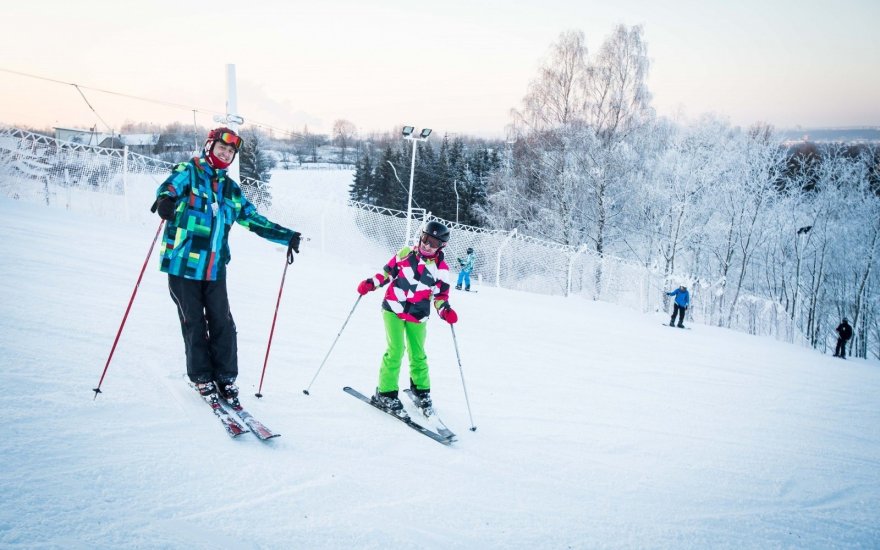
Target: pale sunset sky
x,y
457,66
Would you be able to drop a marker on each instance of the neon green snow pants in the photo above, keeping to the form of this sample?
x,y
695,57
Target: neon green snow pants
x,y
402,335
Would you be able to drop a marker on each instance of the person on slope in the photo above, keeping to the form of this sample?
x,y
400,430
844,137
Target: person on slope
x,y
200,201
415,277
679,307
467,265
844,333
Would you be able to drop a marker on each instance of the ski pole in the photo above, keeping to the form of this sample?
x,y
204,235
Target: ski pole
x,y
306,391
464,387
124,317
287,262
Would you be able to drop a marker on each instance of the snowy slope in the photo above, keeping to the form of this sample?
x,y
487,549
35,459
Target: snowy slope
x,y
597,426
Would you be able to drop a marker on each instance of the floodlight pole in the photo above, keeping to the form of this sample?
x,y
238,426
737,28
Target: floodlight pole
x,y
455,188
410,135
412,173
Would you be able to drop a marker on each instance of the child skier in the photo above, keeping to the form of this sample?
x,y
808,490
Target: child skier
x,y
414,277
467,265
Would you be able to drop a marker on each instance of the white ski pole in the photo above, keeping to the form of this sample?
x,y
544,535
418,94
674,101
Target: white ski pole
x,y
464,387
306,391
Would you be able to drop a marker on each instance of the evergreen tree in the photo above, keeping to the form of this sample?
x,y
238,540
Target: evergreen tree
x,y
472,173
255,160
362,189
389,190
255,163
426,191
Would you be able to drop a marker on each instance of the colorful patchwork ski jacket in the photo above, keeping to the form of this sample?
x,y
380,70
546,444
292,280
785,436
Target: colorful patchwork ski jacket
x,y
467,265
412,281
195,244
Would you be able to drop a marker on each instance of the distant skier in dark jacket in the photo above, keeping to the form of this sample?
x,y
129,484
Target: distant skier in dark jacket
x,y
844,333
682,301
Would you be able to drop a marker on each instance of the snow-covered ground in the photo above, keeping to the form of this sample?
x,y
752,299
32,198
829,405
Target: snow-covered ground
x,y
596,426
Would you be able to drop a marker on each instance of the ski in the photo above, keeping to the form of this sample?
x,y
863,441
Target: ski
x,y
233,428
257,427
408,421
670,326
432,417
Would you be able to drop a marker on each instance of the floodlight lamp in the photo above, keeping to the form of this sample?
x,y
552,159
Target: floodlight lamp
x,y
425,133
407,130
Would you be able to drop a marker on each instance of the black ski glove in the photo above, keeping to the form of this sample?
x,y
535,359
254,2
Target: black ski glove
x,y
167,207
293,246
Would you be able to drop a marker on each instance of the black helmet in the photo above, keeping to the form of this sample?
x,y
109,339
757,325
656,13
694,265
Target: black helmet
x,y
845,320
469,250
437,230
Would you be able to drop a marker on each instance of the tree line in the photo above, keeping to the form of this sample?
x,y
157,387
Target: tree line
x,y
587,162
734,211
451,179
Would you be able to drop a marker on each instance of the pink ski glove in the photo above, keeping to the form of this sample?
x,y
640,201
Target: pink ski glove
x,y
366,286
448,314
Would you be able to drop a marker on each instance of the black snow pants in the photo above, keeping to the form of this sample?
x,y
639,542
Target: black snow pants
x,y
840,350
677,310
209,334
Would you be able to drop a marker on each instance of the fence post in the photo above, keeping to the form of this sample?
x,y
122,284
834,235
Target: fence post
x,y
323,227
125,181
574,256
498,262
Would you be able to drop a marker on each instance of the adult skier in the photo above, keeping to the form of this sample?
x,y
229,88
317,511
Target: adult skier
x,y
467,265
200,201
415,277
679,307
844,333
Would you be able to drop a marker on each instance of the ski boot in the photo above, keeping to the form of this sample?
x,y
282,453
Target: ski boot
x,y
423,401
228,392
206,389
391,404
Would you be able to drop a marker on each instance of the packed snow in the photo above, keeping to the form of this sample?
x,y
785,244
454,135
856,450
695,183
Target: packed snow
x,y
597,426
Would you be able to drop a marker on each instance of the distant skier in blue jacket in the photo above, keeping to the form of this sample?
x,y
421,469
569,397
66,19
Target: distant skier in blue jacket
x,y
682,301
467,265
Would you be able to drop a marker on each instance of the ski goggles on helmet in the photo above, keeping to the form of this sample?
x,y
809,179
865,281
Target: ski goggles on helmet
x,y
229,139
431,241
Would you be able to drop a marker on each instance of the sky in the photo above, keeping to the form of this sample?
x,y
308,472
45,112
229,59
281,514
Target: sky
x,y
457,66
596,426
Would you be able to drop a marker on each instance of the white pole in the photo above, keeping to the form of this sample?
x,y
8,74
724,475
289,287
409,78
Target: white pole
x,y
498,262
125,181
412,172
232,109
455,188
571,268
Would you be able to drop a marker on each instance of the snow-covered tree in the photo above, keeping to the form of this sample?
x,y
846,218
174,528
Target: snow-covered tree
x,y
344,133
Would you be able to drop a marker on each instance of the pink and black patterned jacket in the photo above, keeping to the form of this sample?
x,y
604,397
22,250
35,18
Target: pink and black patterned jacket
x,y
414,280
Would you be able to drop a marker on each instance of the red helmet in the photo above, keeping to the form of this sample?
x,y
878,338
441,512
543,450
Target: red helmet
x,y
227,136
